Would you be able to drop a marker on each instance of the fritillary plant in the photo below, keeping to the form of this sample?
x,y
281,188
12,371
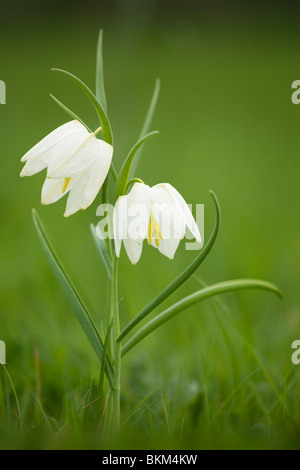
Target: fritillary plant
x,y
79,165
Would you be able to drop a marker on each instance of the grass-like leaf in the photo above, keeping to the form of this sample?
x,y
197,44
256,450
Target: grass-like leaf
x,y
123,176
69,112
81,312
147,123
173,286
100,90
192,299
7,376
106,127
102,250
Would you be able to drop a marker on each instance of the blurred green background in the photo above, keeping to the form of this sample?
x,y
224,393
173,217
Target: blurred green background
x,y
226,123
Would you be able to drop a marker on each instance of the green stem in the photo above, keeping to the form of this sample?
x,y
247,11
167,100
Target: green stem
x,y
109,316
117,368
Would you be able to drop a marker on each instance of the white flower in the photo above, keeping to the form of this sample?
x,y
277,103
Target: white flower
x,y
159,214
76,161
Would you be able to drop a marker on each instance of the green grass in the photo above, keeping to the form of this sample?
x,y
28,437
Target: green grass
x,y
219,375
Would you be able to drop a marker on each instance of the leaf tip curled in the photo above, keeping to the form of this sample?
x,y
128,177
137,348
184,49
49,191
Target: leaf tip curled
x,y
278,292
272,288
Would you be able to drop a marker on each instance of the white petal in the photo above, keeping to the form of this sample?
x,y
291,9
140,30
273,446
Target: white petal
x,y
134,249
52,190
120,222
88,151
168,212
189,219
129,210
138,212
63,140
88,184
167,247
75,199
55,136
33,166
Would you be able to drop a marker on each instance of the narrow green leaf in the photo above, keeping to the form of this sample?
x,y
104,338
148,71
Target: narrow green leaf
x,y
137,408
173,286
228,400
123,176
106,127
192,299
102,250
100,90
73,297
113,171
7,376
147,123
43,414
68,111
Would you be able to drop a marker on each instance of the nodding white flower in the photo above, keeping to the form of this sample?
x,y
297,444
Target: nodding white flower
x,y
77,163
158,214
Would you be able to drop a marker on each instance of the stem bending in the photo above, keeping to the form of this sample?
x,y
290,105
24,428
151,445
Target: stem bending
x,y
205,293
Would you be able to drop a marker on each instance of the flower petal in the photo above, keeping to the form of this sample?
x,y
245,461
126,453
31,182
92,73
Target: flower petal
x,y
138,212
167,247
84,155
168,212
55,146
88,185
189,219
120,222
52,190
134,249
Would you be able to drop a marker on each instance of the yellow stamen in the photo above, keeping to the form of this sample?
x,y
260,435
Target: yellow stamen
x,y
97,131
66,182
154,232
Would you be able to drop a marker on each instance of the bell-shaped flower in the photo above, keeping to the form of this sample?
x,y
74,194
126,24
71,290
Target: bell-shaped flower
x,y
158,214
77,163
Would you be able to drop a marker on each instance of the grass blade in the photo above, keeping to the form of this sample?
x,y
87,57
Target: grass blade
x,y
147,123
7,376
192,299
138,406
72,296
257,359
44,414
